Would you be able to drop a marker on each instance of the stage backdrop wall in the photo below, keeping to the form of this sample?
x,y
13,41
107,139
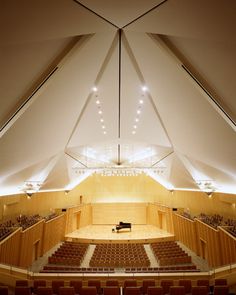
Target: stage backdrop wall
x,y
113,213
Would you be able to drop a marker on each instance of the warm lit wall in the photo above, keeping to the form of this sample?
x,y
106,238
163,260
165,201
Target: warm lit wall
x,y
99,189
228,245
186,232
53,233
160,216
29,238
113,213
12,242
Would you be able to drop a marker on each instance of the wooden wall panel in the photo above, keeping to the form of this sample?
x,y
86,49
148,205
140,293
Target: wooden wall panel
x,y
10,247
53,233
228,245
112,213
186,232
209,239
78,216
160,216
31,239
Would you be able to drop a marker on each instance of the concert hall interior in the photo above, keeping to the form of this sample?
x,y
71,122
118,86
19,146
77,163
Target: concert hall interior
x,y
117,147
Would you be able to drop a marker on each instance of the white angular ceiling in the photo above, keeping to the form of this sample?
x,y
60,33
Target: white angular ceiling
x,y
55,129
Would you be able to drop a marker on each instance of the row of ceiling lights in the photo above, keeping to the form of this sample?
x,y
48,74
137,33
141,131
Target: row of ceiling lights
x,y
139,110
100,112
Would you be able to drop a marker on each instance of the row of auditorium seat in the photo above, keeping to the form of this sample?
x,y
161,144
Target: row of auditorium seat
x,y
69,253
172,268
71,269
170,253
130,287
119,255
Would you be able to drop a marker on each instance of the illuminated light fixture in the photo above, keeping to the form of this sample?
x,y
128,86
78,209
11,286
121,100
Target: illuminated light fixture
x,y
101,120
171,191
210,194
67,192
136,119
104,132
31,187
103,126
141,101
206,186
138,112
95,89
97,101
144,88
133,132
100,112
135,126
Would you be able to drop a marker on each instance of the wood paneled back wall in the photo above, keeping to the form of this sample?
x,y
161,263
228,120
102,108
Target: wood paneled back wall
x,y
112,213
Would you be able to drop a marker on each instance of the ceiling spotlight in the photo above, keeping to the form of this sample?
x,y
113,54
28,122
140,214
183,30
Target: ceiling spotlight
x,y
100,112
67,191
135,126
103,127
133,132
104,132
144,88
138,112
141,101
136,119
97,101
101,120
95,89
29,195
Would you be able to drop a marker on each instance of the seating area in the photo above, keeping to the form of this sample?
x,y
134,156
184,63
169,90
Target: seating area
x,y
113,287
119,256
69,253
27,221
74,269
170,253
163,269
6,228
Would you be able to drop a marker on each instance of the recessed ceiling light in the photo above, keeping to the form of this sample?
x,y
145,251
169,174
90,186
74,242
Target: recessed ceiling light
x,y
133,132
136,119
98,101
138,112
103,127
101,120
100,112
141,101
135,126
95,89
144,88
104,132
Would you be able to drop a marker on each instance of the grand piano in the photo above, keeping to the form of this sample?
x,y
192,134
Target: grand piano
x,y
123,225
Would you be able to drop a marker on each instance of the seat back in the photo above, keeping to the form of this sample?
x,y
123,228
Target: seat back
x,y
166,284
22,290
88,291
146,284
56,284
132,291
157,290
221,290
112,283
77,285
97,284
221,282
204,282
66,291
38,283
177,290
4,290
21,283
199,290
187,285
112,290
44,291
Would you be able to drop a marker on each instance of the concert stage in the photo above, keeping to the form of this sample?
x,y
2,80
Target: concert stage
x,y
104,234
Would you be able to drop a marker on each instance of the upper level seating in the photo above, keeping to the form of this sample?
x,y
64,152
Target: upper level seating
x,y
170,253
6,228
69,253
27,221
119,255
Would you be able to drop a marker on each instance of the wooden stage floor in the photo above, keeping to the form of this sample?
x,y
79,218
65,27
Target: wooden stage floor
x,y
103,233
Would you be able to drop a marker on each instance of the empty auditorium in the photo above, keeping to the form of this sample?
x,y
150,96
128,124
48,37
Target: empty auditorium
x,y
118,147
